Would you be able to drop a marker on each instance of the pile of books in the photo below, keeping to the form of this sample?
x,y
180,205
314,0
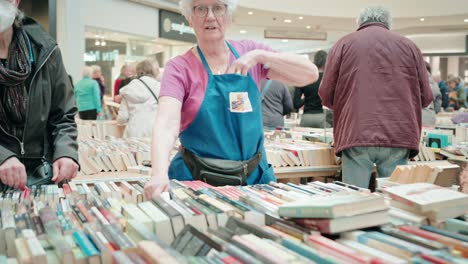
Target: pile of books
x,y
99,129
111,155
292,153
336,211
111,222
425,203
442,173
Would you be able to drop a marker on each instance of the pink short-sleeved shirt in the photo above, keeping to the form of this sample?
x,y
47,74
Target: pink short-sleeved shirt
x,y
185,79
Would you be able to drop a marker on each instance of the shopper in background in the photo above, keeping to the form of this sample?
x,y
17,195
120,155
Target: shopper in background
x,y
376,83
443,90
37,108
429,113
313,110
276,103
457,95
97,76
87,94
126,73
210,99
140,101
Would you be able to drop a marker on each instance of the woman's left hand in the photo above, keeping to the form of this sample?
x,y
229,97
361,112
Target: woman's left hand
x,y
245,62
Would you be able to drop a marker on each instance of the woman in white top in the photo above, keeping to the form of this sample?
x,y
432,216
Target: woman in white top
x,y
139,101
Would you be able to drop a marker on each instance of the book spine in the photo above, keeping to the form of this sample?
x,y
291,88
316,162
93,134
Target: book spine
x,y
85,244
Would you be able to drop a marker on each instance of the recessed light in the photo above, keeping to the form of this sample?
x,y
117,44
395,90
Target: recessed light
x,y
243,31
250,13
308,27
300,18
284,40
466,20
287,21
422,19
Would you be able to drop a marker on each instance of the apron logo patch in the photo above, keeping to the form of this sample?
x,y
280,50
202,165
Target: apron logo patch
x,y
240,103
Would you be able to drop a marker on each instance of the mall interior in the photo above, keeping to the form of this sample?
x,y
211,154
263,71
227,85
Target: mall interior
x,y
111,33
338,135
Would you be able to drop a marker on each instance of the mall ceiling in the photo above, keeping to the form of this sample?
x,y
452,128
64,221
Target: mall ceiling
x,y
336,18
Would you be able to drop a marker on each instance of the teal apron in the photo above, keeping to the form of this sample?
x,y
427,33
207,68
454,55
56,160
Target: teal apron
x,y
218,133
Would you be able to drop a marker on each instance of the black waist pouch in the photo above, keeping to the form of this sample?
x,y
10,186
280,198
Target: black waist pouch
x,y
219,172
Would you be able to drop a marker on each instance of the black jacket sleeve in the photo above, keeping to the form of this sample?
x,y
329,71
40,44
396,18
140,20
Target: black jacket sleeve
x,y
61,123
298,101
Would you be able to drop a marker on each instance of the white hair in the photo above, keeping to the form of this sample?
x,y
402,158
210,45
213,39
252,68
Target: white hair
x,y
186,7
96,68
375,14
87,72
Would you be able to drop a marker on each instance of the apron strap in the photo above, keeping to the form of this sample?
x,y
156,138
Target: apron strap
x,y
205,62
203,59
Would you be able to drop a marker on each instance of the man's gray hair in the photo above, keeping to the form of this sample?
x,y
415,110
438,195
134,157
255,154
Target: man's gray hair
x,y
186,7
375,14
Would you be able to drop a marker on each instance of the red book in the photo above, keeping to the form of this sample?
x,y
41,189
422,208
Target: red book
x,y
108,215
458,245
231,260
66,189
433,259
85,212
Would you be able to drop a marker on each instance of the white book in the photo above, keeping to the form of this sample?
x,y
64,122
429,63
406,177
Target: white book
x,y
99,216
115,190
372,252
426,197
133,212
162,224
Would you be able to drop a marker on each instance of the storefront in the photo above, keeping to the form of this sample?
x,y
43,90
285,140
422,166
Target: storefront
x,y
89,33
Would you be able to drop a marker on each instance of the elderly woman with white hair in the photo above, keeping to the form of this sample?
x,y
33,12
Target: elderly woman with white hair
x,y
210,99
87,94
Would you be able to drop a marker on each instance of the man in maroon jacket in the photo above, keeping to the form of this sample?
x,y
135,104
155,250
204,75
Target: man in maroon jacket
x,y
376,83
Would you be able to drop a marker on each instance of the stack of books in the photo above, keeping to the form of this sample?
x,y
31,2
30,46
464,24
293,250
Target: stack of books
x,y
339,210
114,155
112,222
292,153
429,203
99,129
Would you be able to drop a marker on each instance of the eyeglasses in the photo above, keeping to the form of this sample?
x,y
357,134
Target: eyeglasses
x,y
202,11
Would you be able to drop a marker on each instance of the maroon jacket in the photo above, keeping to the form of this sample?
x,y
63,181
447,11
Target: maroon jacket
x,y
376,83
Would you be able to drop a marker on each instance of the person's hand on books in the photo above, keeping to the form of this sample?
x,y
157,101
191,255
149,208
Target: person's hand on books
x,y
64,169
13,173
155,186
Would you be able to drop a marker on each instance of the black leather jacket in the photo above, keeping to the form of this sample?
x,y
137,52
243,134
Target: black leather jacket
x,y
51,106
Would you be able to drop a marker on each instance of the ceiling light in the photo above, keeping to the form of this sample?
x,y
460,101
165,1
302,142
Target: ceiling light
x,y
287,21
300,18
466,20
284,40
308,27
97,43
103,43
422,19
243,31
250,13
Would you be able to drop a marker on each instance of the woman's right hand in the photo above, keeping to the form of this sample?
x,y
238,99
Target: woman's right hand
x,y
155,186
13,173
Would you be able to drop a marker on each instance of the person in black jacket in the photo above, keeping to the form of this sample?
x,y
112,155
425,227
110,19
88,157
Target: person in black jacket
x,y
313,111
37,108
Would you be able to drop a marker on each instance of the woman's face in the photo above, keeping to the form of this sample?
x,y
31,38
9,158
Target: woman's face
x,y
452,85
209,19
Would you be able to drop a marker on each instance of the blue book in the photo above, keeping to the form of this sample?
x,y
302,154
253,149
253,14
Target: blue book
x,y
85,244
394,242
445,233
